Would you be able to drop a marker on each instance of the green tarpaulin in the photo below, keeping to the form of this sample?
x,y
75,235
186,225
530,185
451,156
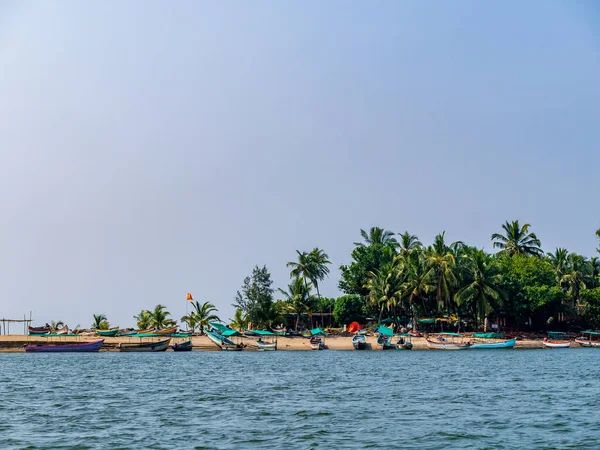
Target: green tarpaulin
x,y
317,331
489,335
264,333
385,330
224,330
426,321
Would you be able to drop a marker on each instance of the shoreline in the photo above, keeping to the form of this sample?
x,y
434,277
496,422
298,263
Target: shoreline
x,y
14,343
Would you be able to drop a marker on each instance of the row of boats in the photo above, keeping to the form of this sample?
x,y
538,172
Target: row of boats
x,y
111,332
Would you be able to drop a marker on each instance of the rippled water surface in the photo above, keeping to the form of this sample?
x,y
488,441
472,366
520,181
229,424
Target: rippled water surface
x,y
304,400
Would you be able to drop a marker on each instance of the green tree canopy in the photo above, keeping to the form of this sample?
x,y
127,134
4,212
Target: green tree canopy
x,y
255,298
517,240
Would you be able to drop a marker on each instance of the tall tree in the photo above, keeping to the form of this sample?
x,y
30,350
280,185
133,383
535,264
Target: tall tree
x,y
319,270
559,261
441,264
143,319
385,287
160,317
408,243
203,314
598,236
576,274
482,291
298,298
517,240
377,236
238,322
255,298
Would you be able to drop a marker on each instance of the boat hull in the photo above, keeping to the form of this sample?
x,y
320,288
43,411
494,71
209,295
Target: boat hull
x,y
160,346
585,343
62,348
434,345
359,342
224,343
266,347
182,347
108,333
510,343
556,344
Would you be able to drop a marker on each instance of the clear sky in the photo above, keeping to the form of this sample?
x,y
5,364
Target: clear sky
x,y
148,149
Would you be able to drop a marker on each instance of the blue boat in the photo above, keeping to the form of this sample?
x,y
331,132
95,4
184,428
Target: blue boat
x,y
510,343
60,348
224,343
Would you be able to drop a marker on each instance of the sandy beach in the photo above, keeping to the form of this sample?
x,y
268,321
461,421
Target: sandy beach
x,y
15,342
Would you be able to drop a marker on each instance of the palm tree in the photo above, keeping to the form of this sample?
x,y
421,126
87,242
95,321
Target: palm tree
x,y
303,268
318,265
238,322
377,236
160,317
559,260
408,243
483,290
190,321
598,236
595,269
298,297
441,263
204,314
578,271
385,287
517,240
143,319
100,322
417,281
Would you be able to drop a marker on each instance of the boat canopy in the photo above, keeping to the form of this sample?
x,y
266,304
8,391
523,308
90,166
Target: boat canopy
x,y
489,335
556,333
223,329
264,333
426,321
317,331
451,334
385,330
590,332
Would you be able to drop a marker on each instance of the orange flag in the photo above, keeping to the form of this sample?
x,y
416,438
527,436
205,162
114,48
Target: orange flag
x,y
189,297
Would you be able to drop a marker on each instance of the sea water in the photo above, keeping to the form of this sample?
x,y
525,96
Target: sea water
x,y
487,399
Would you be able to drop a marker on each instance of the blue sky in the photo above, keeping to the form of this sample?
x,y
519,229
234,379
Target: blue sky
x,y
148,149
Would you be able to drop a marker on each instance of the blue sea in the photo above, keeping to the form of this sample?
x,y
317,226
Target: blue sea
x,y
508,399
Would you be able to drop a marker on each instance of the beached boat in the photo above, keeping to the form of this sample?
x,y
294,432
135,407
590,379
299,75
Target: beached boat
x,y
508,343
266,345
146,331
159,346
556,339
448,341
224,343
362,332
165,332
316,343
586,341
60,348
404,342
185,346
39,331
61,331
250,333
414,333
110,332
384,340
359,342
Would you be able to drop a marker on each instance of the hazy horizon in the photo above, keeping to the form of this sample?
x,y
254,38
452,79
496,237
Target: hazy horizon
x,y
152,149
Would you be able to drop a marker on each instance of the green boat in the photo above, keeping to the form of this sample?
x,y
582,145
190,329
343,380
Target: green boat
x,y
110,332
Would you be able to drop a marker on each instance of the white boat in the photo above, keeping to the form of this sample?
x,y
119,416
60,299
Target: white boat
x,y
266,346
556,339
316,343
585,340
448,341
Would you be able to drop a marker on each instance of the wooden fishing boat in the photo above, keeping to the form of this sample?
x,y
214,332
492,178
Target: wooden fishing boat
x,y
38,331
60,348
585,340
166,331
250,333
448,341
316,343
159,346
414,333
359,342
266,345
185,346
146,331
508,343
62,331
556,339
224,343
404,342
362,332
110,332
